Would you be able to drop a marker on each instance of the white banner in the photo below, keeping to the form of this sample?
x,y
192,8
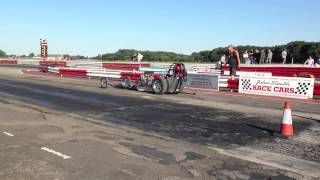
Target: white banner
x,y
265,74
201,68
245,73
301,88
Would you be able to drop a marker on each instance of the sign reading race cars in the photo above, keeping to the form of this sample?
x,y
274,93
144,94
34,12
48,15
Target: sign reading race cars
x,y
301,88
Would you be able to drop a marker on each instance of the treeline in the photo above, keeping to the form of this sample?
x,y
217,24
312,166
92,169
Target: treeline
x,y
298,50
127,54
2,53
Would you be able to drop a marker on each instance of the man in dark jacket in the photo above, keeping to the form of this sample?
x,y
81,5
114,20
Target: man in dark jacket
x,y
233,61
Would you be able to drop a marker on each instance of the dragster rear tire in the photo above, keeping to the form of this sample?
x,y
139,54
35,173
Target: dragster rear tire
x,y
172,85
159,85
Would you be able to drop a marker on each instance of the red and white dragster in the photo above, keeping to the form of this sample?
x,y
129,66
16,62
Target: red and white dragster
x,y
170,82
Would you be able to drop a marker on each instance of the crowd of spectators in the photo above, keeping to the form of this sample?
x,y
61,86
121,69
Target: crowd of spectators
x,y
256,56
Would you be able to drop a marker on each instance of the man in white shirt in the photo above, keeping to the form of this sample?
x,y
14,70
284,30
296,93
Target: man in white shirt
x,y
284,56
246,57
309,61
269,56
139,57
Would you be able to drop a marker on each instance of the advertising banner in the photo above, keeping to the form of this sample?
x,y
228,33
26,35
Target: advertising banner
x,y
201,68
203,81
290,87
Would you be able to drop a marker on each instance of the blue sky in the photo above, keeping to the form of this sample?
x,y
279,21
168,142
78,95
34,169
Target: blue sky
x,y
91,27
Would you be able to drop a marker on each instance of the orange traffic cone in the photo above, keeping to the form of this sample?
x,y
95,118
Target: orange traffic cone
x,y
287,127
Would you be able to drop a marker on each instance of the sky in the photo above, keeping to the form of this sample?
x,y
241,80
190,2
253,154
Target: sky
x,y
92,27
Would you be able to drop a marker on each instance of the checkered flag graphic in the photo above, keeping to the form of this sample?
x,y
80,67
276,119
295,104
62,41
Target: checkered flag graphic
x,y
246,84
302,88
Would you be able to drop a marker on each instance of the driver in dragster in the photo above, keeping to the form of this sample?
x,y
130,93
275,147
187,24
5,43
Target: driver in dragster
x,y
170,83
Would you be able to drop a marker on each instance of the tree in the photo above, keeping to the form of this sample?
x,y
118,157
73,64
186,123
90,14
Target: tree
x,y
2,53
31,55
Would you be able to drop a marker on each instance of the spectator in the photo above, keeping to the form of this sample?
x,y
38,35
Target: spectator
x,y
269,57
251,56
246,57
284,56
309,61
256,56
233,61
223,59
318,62
139,57
134,57
263,56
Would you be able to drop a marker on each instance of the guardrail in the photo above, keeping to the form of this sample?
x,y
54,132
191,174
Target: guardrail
x,y
124,66
198,79
104,73
73,72
53,63
8,62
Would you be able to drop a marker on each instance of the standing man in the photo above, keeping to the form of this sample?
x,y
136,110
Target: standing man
x,y
223,60
256,56
269,57
309,61
251,56
233,61
139,57
134,57
262,57
284,56
246,57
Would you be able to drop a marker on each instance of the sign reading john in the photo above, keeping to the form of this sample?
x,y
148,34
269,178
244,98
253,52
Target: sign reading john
x,y
301,88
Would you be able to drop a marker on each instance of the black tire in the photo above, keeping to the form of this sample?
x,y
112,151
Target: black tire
x,y
127,82
159,85
172,84
103,83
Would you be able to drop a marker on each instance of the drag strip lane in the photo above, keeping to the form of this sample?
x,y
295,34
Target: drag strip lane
x,y
185,122
54,152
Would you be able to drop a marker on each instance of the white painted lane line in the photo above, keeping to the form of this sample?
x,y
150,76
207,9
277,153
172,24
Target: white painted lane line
x,y
56,153
147,97
8,134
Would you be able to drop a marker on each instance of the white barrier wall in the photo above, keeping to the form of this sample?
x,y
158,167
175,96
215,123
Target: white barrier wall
x,y
28,62
193,68
86,63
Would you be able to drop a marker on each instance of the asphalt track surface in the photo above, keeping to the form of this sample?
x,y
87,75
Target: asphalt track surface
x,y
204,126
185,122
